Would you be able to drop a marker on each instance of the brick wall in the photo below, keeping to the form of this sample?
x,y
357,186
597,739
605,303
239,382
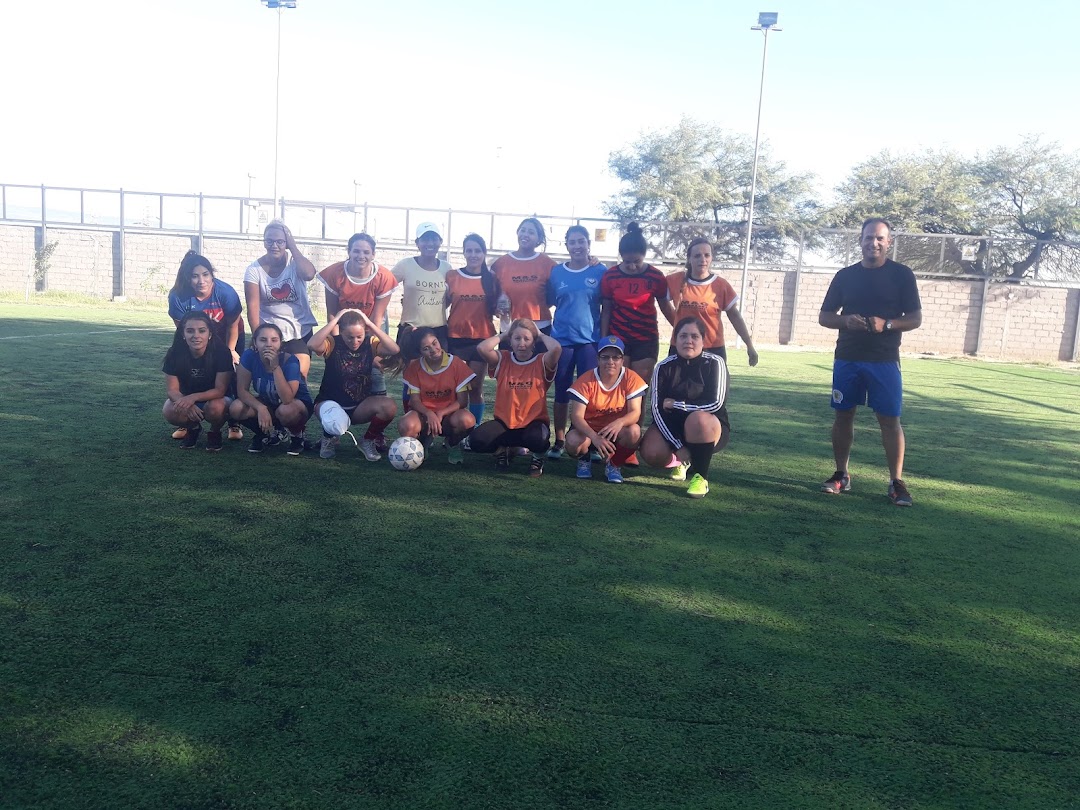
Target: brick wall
x,y
1018,322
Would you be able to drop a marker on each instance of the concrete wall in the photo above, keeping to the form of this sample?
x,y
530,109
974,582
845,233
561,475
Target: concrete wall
x,y
1017,321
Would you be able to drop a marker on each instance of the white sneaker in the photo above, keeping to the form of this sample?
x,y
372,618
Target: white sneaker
x,y
367,447
328,446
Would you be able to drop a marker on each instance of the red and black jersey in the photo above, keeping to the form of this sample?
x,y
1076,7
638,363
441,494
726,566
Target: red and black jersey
x,y
634,297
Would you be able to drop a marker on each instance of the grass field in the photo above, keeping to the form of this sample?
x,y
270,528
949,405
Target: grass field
x,y
187,629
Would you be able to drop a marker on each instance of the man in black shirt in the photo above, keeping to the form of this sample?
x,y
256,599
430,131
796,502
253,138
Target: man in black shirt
x,y
870,303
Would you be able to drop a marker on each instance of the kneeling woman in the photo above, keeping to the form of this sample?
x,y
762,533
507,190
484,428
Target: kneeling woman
x,y
521,384
689,417
347,380
197,369
438,387
605,407
271,390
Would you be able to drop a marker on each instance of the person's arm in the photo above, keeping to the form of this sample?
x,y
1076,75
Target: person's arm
x,y
251,296
184,404
739,325
631,417
715,379
286,388
905,323
431,418
232,337
667,309
488,349
243,392
600,443
378,309
606,305
834,320
304,267
387,346
317,342
333,304
552,350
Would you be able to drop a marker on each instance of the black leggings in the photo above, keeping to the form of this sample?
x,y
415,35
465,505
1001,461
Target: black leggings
x,y
492,435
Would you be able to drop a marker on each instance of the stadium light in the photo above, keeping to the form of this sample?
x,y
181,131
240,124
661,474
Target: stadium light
x,y
766,22
279,5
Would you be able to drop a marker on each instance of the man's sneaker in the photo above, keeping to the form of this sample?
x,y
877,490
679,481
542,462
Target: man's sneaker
x,y
368,449
613,473
179,433
296,444
277,437
632,461
380,443
556,451
236,433
840,482
898,493
258,443
502,460
213,440
594,457
536,467
698,488
454,455
678,472
328,446
191,438
584,468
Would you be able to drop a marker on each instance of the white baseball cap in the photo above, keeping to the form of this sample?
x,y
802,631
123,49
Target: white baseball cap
x,y
334,419
428,227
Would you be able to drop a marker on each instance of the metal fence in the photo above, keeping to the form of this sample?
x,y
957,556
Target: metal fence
x,y
242,217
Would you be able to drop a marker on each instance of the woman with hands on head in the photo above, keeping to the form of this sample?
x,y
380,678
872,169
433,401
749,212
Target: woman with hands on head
x,y
438,384
272,392
522,378
197,373
347,380
275,286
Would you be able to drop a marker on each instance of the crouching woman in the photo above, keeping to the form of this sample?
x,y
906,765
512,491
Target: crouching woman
x,y
197,372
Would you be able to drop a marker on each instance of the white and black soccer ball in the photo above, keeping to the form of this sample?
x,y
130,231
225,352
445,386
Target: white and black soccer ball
x,y
406,454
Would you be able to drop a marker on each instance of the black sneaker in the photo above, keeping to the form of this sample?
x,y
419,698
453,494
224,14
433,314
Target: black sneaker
x,y
898,493
536,467
502,461
840,482
296,444
277,437
258,443
191,439
213,440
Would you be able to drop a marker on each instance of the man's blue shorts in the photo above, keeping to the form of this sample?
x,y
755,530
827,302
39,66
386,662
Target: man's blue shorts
x,y
878,385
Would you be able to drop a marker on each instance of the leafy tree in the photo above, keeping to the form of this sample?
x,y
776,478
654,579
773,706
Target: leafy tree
x,y
697,173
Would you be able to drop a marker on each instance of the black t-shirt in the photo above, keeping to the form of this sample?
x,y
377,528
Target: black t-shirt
x,y
197,373
347,377
886,292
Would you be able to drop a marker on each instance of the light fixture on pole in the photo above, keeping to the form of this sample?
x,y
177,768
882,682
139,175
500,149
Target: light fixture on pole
x,y
355,194
766,22
280,5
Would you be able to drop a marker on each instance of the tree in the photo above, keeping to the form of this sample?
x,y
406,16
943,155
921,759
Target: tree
x,y
698,173
1020,202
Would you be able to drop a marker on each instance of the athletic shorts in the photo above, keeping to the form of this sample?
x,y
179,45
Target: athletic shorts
x,y
878,385
202,405
297,345
676,421
718,350
465,348
648,349
307,403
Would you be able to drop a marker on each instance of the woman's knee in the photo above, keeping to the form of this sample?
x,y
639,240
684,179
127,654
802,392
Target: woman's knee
x,y
702,426
655,449
410,425
630,436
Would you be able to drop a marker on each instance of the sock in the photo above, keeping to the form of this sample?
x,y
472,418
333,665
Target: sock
x,y
376,427
701,457
296,433
252,424
620,455
477,411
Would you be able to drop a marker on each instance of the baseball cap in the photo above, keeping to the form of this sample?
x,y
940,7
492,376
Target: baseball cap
x,y
611,342
428,227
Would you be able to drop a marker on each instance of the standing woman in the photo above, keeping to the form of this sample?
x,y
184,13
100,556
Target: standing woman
x,y
197,373
689,418
574,291
697,292
197,289
438,385
347,380
522,378
275,287
423,296
470,295
271,390
523,275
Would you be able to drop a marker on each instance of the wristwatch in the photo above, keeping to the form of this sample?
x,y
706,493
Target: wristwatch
x,y
888,326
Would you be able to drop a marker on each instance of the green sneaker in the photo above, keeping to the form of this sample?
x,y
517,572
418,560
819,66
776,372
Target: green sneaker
x,y
679,473
454,455
698,488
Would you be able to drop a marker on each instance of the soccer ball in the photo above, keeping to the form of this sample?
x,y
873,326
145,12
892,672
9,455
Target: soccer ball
x,y
406,454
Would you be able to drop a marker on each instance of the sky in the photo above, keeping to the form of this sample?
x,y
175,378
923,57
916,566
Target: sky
x,y
498,105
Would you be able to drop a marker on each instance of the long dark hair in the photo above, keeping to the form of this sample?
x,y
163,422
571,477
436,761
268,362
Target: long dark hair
x,y
191,260
487,278
633,241
179,348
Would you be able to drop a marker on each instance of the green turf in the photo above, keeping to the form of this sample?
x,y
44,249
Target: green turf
x,y
185,629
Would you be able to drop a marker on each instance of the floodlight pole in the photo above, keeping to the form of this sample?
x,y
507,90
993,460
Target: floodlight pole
x,y
277,110
766,22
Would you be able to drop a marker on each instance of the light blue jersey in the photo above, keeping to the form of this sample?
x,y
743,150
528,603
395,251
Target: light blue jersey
x,y
575,294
